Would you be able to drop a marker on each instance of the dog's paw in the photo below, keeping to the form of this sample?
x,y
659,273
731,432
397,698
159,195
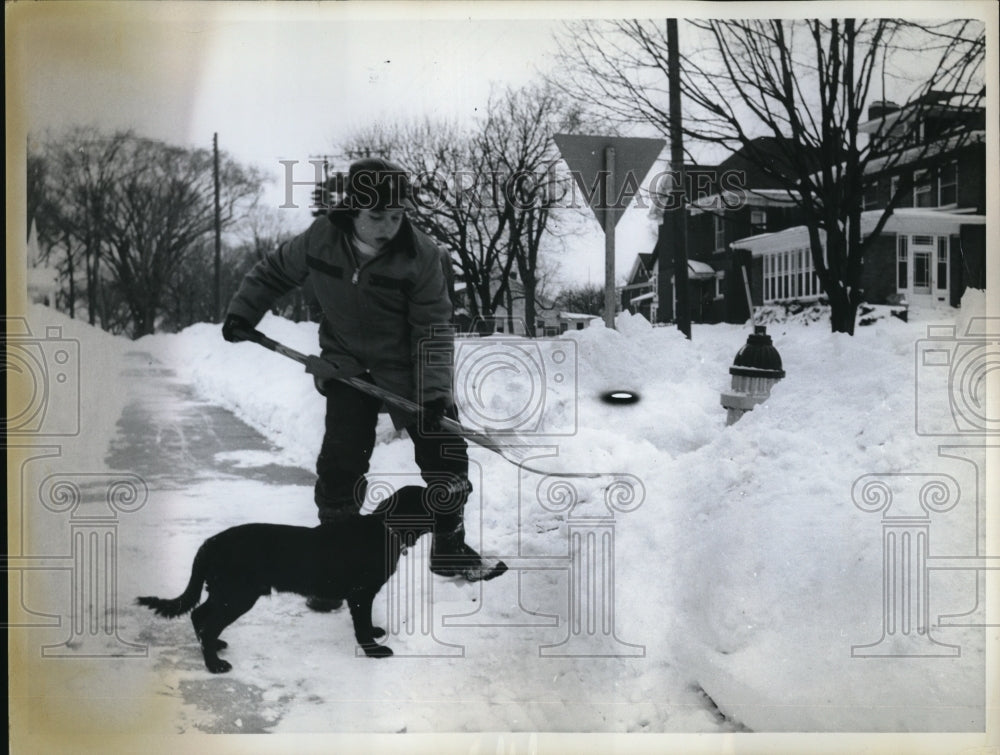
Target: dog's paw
x,y
378,632
376,651
217,665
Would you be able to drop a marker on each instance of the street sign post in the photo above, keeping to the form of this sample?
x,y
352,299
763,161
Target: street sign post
x,y
608,170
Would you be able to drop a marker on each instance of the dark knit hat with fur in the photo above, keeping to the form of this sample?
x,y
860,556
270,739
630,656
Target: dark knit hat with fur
x,y
374,183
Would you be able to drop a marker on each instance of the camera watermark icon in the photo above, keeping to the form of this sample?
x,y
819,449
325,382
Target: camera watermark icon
x,y
43,381
93,502
960,367
510,385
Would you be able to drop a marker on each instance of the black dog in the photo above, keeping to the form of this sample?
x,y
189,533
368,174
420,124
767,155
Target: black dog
x,y
349,560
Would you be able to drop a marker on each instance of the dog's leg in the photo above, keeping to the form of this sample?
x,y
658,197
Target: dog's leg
x,y
212,617
361,614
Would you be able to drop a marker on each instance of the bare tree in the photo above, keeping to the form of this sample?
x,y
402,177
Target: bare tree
x,y
807,82
456,203
587,299
160,209
69,180
517,145
134,210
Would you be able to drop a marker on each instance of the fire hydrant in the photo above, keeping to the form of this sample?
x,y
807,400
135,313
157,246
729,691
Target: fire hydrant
x,y
755,370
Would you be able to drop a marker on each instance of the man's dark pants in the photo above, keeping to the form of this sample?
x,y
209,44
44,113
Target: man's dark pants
x,y
344,458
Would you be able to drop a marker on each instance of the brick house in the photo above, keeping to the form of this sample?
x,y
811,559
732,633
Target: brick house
x,y
933,246
931,249
728,201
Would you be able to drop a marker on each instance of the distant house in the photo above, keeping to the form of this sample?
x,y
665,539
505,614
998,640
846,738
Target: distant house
x,y
43,280
512,321
573,321
639,295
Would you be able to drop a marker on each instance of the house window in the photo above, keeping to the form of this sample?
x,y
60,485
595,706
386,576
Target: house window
x,y
789,274
942,263
720,233
948,185
894,190
923,189
902,263
720,279
758,221
871,195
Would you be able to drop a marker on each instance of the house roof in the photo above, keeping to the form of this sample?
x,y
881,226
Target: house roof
x,y
644,262
904,220
908,157
749,198
762,170
700,270
769,150
937,104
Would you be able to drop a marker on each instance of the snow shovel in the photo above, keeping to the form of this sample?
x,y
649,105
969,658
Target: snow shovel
x,y
512,448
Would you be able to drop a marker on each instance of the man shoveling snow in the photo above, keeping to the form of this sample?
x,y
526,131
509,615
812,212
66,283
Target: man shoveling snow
x,y
382,287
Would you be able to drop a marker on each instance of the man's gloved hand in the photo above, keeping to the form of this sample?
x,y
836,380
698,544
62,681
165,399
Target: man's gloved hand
x,y
434,411
233,324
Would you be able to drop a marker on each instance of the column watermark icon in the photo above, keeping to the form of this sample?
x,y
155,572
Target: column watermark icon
x,y
92,503
582,620
906,502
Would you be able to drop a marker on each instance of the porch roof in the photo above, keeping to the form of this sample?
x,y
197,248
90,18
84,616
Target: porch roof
x,y
904,220
730,199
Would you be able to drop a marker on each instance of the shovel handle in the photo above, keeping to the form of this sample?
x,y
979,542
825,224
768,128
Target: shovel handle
x,y
322,368
516,451
269,343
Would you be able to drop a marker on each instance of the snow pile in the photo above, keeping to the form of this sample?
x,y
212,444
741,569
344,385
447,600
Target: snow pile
x,y
747,565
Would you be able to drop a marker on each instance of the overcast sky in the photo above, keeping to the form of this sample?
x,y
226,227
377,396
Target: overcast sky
x,y
283,80
275,81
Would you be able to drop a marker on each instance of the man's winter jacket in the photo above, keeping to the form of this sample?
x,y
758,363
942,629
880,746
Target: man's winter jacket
x,y
376,317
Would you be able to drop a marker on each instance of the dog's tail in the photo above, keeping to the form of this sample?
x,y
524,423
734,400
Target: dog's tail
x,y
187,599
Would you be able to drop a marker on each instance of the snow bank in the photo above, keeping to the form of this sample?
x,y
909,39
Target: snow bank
x,y
749,572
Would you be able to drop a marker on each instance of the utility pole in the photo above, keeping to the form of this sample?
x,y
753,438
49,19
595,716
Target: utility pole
x,y
678,213
609,238
218,230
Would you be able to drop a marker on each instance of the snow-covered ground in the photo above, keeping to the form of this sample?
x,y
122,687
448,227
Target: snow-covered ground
x,y
746,565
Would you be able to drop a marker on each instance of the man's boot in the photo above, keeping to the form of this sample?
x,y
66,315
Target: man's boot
x,y
451,556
